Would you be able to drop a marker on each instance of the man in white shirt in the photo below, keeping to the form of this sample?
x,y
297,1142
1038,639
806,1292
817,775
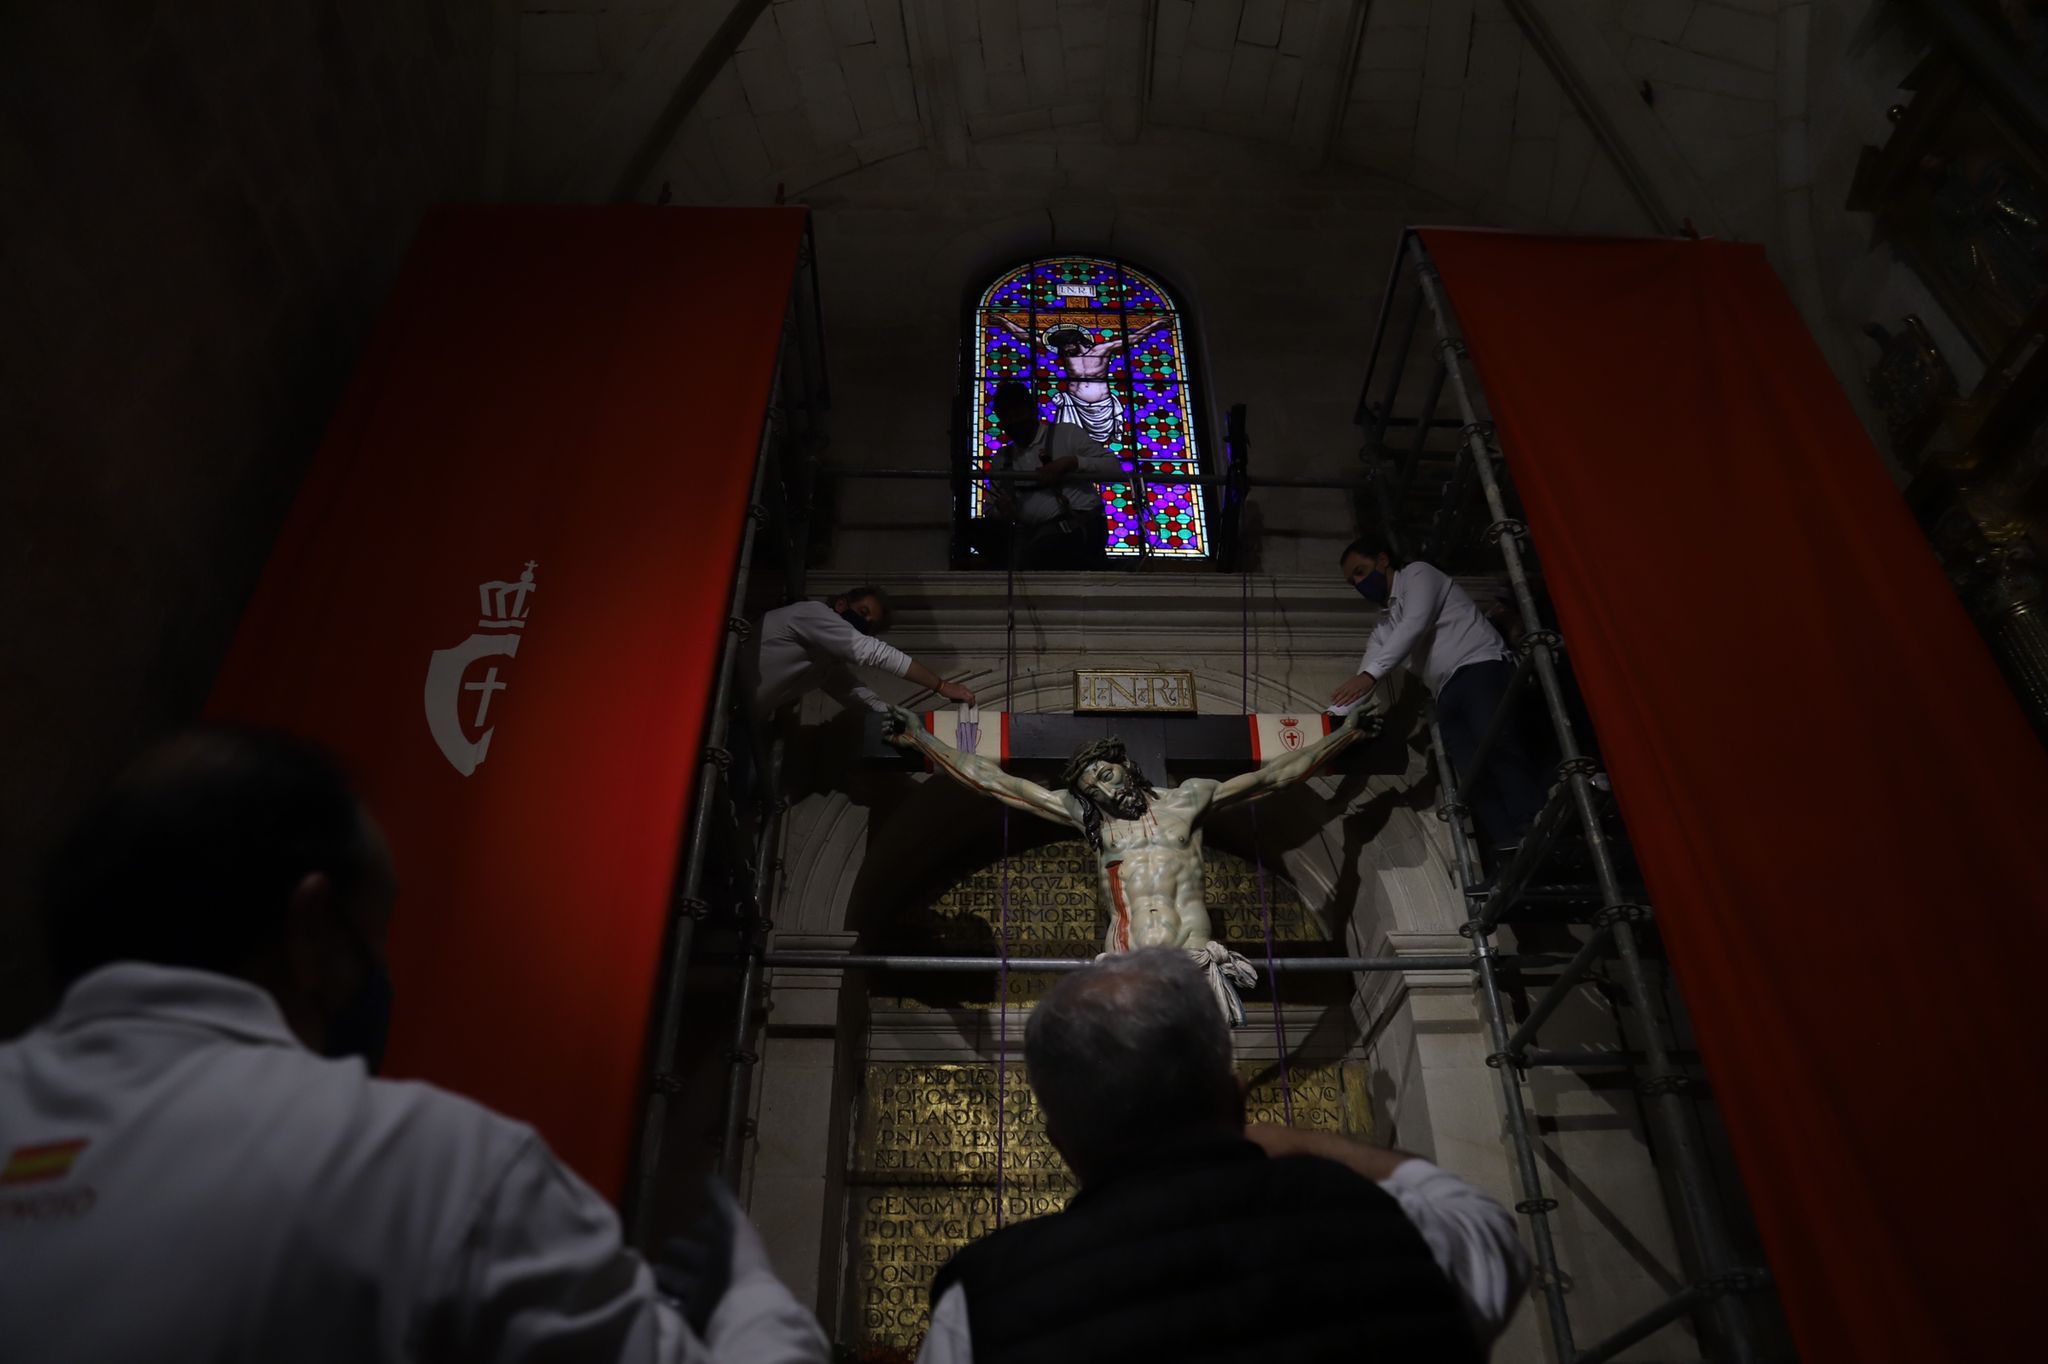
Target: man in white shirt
x,y
1059,514
813,646
198,1164
1431,624
1373,1253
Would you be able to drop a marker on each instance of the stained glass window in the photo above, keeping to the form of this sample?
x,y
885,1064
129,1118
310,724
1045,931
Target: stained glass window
x,y
1101,345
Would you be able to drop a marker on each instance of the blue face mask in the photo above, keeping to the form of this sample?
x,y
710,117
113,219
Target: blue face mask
x,y
1373,587
857,621
362,1027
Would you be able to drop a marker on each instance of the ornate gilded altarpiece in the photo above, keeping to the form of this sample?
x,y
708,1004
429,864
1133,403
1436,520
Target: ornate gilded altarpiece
x,y
1960,192
921,1180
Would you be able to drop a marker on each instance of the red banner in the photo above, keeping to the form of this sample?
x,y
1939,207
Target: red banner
x,y
1836,800
500,597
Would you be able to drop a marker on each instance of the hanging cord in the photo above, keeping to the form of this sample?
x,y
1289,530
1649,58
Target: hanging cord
x,y
1244,616
1003,931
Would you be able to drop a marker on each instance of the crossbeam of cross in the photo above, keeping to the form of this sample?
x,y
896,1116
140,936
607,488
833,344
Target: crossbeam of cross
x,y
1167,748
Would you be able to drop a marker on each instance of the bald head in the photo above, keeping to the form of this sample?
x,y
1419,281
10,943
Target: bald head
x,y
1129,1052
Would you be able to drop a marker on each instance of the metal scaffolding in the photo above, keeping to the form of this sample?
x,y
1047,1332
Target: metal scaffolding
x,y
735,824
742,827
1577,808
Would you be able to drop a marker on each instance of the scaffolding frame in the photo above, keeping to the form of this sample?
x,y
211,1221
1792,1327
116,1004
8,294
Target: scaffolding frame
x,y
742,827
1578,807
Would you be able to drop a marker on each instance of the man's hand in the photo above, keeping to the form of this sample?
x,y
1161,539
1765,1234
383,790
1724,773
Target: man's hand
x,y
1354,690
695,1268
898,726
1274,1139
1357,718
1374,1162
953,691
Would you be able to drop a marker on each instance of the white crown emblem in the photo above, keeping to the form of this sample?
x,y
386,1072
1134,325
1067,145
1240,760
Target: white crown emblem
x,y
504,607
504,604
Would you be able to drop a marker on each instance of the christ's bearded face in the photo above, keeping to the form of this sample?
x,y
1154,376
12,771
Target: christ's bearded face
x,y
1111,787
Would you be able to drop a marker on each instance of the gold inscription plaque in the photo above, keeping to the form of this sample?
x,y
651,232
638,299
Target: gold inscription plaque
x,y
923,1181
1133,692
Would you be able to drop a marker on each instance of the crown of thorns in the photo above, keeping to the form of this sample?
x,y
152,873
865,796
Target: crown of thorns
x,y
1101,751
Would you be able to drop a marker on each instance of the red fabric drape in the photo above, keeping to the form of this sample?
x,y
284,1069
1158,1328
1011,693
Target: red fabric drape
x,y
1836,801
581,390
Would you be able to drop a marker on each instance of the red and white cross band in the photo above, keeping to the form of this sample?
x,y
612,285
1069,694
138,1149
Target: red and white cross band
x,y
1276,735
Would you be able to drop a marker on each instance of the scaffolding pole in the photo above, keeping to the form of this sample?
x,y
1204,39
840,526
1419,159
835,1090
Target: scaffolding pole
x,y
741,1059
1533,1205
711,786
869,961
1224,480
1662,1083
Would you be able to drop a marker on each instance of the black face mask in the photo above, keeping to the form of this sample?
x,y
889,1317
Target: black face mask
x,y
857,621
362,1027
1373,587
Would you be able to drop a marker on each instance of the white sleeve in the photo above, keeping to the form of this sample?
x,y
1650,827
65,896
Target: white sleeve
x,y
759,1321
840,686
1409,613
828,639
1470,1236
1090,455
948,1340
545,1275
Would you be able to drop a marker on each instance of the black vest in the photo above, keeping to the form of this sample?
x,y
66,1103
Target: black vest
x,y
1213,1252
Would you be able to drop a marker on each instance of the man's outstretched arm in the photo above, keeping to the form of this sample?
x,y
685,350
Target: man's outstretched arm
x,y
903,729
1301,764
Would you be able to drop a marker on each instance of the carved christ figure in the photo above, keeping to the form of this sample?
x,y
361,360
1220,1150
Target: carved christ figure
x,y
1085,399
1147,842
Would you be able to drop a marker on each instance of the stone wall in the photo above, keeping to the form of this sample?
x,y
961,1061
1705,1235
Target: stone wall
x,y
204,208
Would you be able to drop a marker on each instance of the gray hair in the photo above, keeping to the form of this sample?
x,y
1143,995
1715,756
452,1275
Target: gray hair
x,y
1130,1048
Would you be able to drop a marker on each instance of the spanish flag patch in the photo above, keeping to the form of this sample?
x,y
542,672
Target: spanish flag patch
x,y
38,1164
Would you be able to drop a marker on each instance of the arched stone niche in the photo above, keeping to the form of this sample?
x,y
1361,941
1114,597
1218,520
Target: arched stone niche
x,y
1366,856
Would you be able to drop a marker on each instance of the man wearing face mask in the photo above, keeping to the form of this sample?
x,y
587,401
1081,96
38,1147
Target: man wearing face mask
x,y
198,1164
1431,624
811,646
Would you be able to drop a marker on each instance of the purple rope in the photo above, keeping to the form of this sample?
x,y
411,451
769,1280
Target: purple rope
x,y
1003,938
1244,619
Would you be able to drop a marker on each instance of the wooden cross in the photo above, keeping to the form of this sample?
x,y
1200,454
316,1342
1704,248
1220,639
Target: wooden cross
x,y
1162,746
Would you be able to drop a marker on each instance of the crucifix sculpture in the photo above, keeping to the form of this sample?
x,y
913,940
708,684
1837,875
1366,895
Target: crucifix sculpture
x,y
1147,842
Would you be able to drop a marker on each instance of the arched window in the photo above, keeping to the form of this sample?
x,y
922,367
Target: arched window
x,y
1101,344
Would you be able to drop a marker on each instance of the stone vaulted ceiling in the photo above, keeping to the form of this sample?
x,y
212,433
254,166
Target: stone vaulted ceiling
x,y
727,100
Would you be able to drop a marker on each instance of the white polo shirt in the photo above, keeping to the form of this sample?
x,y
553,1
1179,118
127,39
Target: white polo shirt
x,y
1038,506
1433,626
807,646
185,1180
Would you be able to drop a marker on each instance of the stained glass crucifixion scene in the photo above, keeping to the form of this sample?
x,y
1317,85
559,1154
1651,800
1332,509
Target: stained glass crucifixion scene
x,y
1103,347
